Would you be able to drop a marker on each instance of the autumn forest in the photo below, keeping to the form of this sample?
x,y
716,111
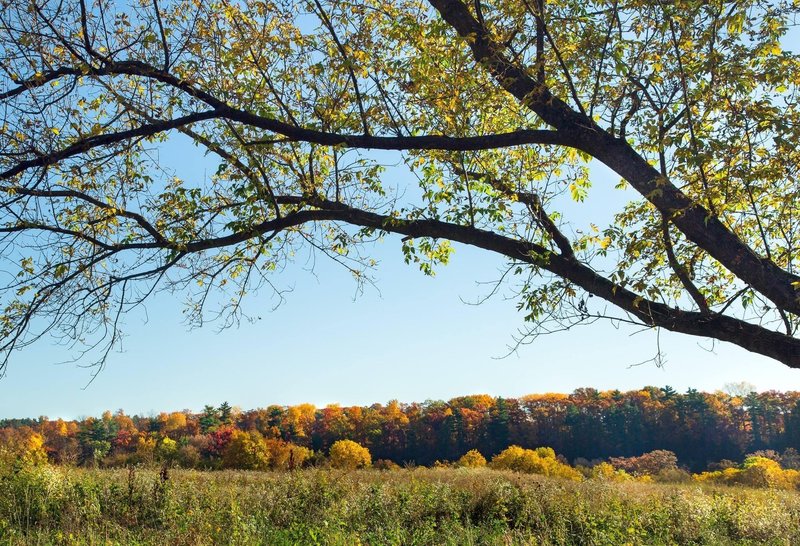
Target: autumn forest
x,y
584,427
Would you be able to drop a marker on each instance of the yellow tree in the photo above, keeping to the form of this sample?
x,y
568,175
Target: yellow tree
x,y
472,459
541,460
349,455
173,424
500,109
285,455
299,421
247,451
21,446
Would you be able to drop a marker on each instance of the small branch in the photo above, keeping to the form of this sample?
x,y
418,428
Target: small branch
x,y
164,45
540,30
62,231
85,31
37,81
463,169
75,194
534,204
607,40
257,163
689,117
347,63
540,25
686,281
89,143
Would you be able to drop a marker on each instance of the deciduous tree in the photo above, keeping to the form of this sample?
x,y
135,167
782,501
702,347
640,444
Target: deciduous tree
x,y
472,459
499,110
349,455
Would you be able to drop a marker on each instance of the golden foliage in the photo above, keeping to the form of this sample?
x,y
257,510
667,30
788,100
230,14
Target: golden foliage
x,y
472,459
539,461
754,472
349,455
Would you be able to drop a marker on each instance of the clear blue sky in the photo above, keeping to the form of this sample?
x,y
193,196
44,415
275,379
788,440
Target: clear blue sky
x,y
410,339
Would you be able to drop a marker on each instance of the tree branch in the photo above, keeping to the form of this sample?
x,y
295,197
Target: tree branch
x,y
752,337
97,141
680,271
696,222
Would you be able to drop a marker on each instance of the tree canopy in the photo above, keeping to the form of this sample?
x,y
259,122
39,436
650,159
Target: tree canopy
x,y
698,428
496,110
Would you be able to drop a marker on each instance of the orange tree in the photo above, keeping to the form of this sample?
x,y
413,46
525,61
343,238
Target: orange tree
x,y
496,108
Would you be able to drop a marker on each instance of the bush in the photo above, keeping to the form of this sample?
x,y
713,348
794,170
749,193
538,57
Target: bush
x,y
790,459
648,464
349,455
722,465
764,472
673,475
246,451
472,459
541,461
386,464
188,456
606,472
755,471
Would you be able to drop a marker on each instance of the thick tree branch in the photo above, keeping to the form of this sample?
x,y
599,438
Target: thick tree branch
x,y
300,134
752,337
695,221
427,142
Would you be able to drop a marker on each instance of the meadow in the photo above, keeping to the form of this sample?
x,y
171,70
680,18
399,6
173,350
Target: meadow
x,y
425,506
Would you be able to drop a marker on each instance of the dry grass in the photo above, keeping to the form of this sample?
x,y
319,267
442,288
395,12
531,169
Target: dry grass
x,y
411,506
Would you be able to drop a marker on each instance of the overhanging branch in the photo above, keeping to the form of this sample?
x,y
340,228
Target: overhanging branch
x,y
750,336
696,222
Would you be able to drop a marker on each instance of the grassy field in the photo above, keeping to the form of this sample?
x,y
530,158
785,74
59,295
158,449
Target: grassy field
x,y
51,505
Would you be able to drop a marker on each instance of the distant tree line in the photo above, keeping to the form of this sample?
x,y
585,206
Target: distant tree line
x,y
588,425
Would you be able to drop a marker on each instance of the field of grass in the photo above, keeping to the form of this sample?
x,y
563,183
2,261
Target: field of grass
x,y
58,505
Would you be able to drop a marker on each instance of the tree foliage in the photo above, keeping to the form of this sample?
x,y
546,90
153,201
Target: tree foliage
x,y
641,431
246,450
494,108
471,459
541,460
349,455
755,472
650,463
21,447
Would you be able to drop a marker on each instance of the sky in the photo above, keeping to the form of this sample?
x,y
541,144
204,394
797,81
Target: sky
x,y
410,337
